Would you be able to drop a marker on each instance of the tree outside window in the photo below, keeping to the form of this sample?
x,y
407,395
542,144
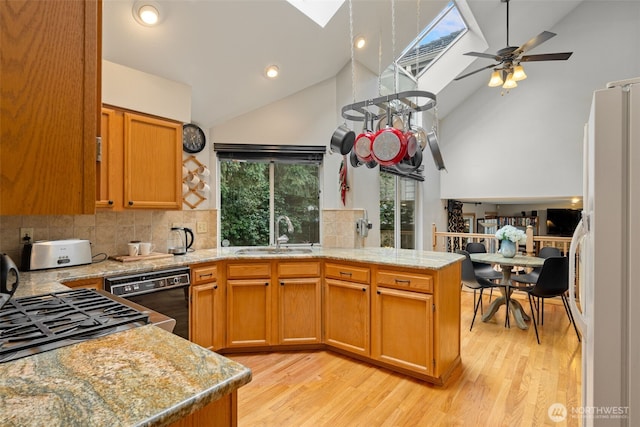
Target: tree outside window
x,y
252,193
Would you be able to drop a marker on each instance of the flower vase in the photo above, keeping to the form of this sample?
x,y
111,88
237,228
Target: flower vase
x,y
508,248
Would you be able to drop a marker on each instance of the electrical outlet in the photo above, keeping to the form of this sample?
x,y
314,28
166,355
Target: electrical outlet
x,y
202,227
26,234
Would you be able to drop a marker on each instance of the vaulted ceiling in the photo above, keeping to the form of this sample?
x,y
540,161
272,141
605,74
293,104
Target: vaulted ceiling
x,y
221,47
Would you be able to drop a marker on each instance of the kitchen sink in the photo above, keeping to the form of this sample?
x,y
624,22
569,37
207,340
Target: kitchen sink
x,y
273,250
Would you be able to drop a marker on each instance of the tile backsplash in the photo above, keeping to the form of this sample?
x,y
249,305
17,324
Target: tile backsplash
x,y
108,232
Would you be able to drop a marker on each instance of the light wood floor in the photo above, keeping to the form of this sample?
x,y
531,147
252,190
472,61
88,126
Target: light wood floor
x,y
506,379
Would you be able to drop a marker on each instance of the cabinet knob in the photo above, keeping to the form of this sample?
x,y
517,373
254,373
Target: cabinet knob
x,y
364,289
110,202
130,202
215,287
378,292
281,283
266,283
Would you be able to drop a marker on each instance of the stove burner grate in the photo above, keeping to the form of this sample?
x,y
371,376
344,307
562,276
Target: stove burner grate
x,y
39,323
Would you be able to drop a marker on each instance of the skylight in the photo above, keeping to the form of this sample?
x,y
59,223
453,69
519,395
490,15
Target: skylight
x,y
320,11
433,41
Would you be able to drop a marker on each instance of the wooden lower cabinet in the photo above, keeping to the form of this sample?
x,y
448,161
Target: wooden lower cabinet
x,y
221,413
207,308
405,319
249,319
402,332
299,306
347,316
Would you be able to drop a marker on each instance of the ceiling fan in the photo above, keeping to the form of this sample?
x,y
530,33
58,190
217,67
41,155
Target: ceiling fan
x,y
507,71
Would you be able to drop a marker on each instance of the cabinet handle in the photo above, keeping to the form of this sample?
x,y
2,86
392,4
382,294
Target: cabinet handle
x,y
215,287
403,281
378,292
345,273
266,283
110,202
205,275
364,289
130,202
281,283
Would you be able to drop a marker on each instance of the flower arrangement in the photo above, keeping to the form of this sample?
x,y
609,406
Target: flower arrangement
x,y
509,232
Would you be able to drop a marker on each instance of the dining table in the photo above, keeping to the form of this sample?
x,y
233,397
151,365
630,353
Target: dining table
x,y
506,265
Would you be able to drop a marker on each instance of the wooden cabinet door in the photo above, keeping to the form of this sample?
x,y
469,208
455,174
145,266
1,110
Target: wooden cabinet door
x,y
152,163
300,311
49,95
347,316
403,329
108,172
249,317
202,308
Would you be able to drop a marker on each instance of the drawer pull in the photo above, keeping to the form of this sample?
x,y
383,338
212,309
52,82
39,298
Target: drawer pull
x,y
205,275
405,281
346,273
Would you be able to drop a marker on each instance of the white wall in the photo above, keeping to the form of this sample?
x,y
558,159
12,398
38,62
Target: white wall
x,y
147,93
528,143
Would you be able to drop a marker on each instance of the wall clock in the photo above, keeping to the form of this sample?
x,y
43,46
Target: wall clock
x,y
193,140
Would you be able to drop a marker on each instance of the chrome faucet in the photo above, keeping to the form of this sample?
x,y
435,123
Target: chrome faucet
x,y
284,238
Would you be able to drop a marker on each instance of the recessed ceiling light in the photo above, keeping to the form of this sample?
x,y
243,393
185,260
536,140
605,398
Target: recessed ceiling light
x,y
146,13
272,71
360,42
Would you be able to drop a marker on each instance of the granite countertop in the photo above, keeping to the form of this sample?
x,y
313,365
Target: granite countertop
x,y
52,280
143,376
140,377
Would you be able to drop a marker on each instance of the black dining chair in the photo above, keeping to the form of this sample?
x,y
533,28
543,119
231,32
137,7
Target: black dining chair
x,y
485,271
530,279
472,281
553,281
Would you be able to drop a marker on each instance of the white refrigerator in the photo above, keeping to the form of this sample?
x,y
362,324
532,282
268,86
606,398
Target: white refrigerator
x,y
608,242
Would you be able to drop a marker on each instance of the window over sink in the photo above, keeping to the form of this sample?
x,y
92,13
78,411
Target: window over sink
x,y
259,184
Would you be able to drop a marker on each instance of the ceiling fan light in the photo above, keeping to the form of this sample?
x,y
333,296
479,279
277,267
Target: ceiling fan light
x,y
496,79
518,73
510,83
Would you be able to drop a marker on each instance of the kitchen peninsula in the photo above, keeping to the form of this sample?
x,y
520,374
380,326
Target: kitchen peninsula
x,y
172,375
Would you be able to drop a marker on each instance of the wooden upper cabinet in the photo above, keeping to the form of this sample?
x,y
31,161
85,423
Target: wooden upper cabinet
x,y
108,157
140,162
49,100
152,162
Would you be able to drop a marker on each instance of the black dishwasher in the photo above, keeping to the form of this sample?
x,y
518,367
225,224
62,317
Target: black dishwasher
x,y
164,291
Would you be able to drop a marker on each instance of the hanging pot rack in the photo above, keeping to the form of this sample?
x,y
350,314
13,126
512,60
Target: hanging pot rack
x,y
397,103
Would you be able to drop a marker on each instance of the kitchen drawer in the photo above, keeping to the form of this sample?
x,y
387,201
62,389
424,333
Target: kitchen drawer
x,y
249,270
204,274
299,269
410,281
93,283
347,272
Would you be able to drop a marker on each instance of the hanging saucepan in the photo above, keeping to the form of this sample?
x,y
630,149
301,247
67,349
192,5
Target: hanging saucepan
x,y
432,140
354,160
419,133
410,165
396,122
342,140
389,146
362,145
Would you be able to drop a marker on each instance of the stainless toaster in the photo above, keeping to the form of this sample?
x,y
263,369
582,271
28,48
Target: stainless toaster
x,y
44,254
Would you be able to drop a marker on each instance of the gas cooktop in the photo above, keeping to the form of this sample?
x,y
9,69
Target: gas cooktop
x,y
35,324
